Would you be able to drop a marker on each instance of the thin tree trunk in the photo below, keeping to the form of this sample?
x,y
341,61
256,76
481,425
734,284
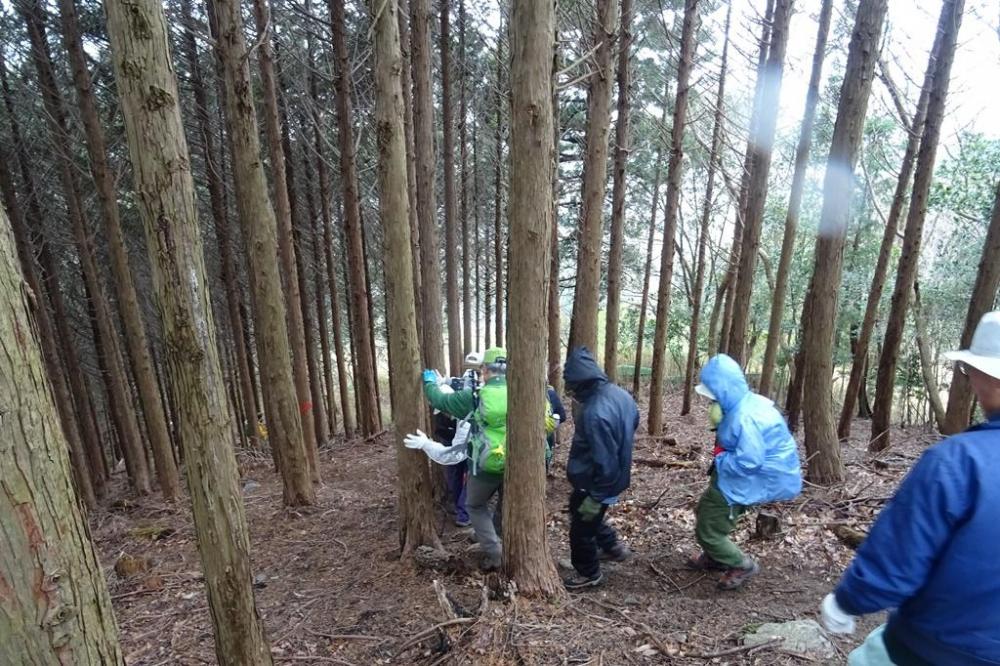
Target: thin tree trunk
x,y
554,310
368,409
371,325
647,270
119,398
795,201
416,511
47,290
622,149
128,301
425,162
463,149
57,609
927,360
286,247
526,555
819,314
450,212
166,197
984,294
260,230
220,219
586,299
498,239
948,26
706,218
674,167
859,366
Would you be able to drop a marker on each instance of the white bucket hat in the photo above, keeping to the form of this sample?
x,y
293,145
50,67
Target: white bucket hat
x,y
704,392
984,352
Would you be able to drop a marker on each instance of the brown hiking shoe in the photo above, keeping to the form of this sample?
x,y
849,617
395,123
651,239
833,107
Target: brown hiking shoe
x,y
736,578
702,562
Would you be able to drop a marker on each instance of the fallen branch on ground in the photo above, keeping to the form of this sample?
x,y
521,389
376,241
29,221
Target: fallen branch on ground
x,y
430,632
738,649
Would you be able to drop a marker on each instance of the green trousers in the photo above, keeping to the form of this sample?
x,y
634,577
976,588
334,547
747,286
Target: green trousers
x,y
715,520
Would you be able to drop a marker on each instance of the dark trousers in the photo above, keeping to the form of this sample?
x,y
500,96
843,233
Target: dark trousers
x,y
455,477
585,537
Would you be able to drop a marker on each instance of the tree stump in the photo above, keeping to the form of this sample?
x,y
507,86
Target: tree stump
x,y
768,525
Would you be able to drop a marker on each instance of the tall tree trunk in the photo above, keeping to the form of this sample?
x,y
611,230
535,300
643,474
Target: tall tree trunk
x,y
463,149
416,511
371,324
984,294
927,359
119,397
220,219
648,267
526,554
759,150
57,609
706,218
47,341
450,213
906,271
47,290
859,366
128,301
586,299
286,247
260,230
554,310
498,239
674,167
622,149
346,404
425,159
820,310
163,181
795,201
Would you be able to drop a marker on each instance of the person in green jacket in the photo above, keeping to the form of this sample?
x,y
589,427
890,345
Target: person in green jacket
x,y
486,408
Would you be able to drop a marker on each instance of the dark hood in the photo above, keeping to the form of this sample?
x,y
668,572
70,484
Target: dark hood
x,y
582,373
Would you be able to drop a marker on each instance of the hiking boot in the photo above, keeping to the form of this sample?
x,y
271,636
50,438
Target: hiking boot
x,y
462,522
578,582
736,578
490,561
620,553
702,562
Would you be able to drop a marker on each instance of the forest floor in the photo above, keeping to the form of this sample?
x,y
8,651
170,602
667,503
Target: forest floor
x,y
331,588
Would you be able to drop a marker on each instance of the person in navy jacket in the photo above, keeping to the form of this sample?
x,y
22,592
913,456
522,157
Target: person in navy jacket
x,y
933,555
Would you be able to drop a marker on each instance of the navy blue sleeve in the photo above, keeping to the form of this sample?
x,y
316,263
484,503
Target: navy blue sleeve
x,y
894,562
604,454
557,406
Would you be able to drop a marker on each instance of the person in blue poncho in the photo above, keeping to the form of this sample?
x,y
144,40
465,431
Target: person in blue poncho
x,y
756,461
933,555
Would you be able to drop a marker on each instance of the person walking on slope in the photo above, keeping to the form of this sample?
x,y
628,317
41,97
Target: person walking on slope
x,y
599,466
486,408
755,461
933,554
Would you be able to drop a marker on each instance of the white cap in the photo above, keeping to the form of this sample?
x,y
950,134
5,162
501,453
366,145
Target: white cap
x,y
474,358
984,353
703,391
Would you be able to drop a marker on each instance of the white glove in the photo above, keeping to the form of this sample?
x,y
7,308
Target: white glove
x,y
834,618
417,441
439,453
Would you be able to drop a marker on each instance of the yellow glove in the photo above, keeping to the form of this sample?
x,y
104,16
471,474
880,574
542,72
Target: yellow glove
x,y
715,415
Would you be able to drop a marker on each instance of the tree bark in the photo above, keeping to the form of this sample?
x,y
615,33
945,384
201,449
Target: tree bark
x,y
220,219
128,301
553,305
795,202
416,512
674,167
647,270
463,150
819,315
927,360
859,366
450,213
163,182
296,338
526,555
425,162
499,246
119,397
760,148
706,218
586,299
906,271
57,609
622,149
984,294
260,230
